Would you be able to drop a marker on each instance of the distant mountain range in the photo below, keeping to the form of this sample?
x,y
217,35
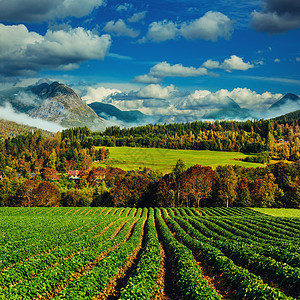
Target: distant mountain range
x,y
59,104
110,112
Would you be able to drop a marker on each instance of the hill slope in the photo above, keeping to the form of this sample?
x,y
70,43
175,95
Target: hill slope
x,y
9,129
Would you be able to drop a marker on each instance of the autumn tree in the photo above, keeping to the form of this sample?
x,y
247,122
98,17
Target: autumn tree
x,y
243,193
24,195
46,194
50,174
129,189
197,183
227,185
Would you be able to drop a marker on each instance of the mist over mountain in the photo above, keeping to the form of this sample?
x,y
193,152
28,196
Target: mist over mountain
x,y
125,118
54,106
55,102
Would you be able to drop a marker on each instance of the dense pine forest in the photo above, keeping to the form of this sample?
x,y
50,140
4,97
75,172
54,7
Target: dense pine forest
x,y
39,170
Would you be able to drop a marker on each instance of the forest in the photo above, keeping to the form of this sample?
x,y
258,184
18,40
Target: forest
x,y
35,169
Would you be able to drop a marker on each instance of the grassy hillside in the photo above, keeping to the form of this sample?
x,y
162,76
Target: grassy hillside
x,y
128,158
280,212
9,129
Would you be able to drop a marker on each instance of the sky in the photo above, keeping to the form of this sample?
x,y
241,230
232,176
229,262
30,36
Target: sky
x,y
155,56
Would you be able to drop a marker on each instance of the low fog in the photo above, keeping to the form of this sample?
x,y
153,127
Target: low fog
x,y
8,113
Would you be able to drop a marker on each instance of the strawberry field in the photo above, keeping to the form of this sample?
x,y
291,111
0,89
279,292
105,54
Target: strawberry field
x,y
146,253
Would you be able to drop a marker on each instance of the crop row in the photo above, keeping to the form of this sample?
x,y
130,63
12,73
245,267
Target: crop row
x,y
191,281
58,273
95,280
246,255
247,285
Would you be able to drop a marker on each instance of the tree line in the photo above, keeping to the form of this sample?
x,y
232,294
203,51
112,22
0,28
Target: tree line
x,y
34,167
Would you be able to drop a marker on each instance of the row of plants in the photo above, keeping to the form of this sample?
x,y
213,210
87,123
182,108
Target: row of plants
x,y
48,237
94,281
59,273
191,281
219,233
143,284
246,284
27,270
245,255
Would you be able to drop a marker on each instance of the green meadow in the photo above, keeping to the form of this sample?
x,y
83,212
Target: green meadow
x,y
128,158
280,212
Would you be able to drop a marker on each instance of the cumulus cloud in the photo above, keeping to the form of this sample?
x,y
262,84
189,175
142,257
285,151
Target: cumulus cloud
x,y
212,26
277,16
25,53
236,63
156,91
120,28
246,98
98,94
8,113
137,17
164,69
168,104
44,10
229,64
162,31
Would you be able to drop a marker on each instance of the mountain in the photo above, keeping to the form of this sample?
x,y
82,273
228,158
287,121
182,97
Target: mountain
x,y
54,102
228,109
110,112
287,101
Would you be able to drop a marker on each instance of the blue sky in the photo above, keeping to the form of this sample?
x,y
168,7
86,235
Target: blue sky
x,y
110,50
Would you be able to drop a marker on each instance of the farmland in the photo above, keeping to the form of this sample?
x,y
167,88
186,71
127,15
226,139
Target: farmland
x,y
146,253
128,158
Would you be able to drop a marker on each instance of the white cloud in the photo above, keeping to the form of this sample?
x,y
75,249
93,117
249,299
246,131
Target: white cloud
x,y
251,99
120,28
166,102
98,94
211,64
147,79
156,91
229,64
24,53
137,17
124,7
236,63
8,113
211,26
164,69
44,10
161,31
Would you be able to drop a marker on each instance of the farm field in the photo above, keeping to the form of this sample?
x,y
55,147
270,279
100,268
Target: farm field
x,y
160,253
128,158
280,212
